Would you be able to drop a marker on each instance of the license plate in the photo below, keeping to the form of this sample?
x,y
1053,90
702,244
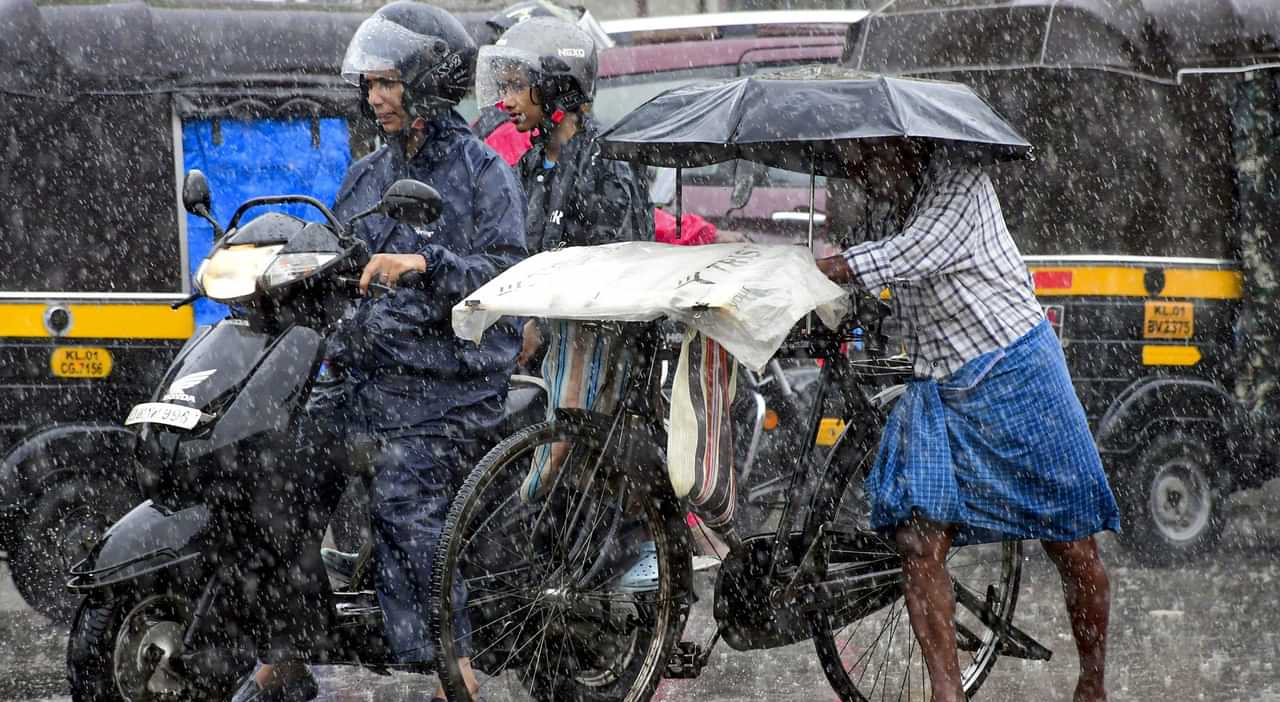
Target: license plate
x,y
1168,320
164,413
80,362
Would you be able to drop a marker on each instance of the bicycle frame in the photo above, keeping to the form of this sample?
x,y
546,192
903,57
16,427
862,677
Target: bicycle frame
x,y
642,399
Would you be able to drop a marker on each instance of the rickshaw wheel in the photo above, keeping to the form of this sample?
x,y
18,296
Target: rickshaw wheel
x,y
578,593
1172,510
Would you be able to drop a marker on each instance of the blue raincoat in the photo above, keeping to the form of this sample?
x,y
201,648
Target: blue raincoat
x,y
428,398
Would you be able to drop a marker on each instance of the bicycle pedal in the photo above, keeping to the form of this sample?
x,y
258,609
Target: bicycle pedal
x,y
357,604
686,661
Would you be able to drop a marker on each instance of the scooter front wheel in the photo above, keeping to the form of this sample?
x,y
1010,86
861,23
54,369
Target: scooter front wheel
x,y
122,646
571,590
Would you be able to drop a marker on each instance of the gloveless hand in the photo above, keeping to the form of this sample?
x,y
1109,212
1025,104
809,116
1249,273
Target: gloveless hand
x,y
387,269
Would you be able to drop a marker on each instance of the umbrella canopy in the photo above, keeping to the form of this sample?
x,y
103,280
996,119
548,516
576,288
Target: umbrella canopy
x,y
817,117
1151,38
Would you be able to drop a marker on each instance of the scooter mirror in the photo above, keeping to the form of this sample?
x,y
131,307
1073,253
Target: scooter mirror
x,y
411,202
195,194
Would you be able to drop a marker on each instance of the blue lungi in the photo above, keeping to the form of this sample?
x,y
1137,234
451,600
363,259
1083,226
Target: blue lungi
x,y
1001,449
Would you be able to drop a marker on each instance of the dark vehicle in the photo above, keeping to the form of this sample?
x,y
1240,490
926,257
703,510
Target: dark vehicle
x,y
1130,216
159,584
99,128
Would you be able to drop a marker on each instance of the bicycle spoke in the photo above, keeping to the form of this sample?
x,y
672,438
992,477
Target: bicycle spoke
x,y
531,605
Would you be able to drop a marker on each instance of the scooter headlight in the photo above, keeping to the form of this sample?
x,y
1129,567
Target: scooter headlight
x,y
231,274
290,268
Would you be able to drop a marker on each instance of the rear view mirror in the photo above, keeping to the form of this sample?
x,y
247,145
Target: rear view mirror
x,y
745,175
195,194
411,202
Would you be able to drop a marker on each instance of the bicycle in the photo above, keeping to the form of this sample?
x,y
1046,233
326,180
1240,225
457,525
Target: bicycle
x,y
545,596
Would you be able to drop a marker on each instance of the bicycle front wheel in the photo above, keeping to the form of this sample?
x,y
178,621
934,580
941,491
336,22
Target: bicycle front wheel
x,y
866,645
575,591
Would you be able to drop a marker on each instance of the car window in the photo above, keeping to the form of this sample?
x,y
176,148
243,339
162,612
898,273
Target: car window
x,y
617,96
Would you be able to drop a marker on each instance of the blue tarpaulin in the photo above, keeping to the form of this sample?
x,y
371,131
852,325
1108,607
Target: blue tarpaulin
x,y
250,158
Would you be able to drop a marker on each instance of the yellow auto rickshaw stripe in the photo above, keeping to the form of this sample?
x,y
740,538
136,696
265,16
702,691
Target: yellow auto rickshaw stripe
x,y
100,321
1118,281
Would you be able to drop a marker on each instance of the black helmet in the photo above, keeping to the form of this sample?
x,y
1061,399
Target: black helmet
x,y
434,56
512,15
556,58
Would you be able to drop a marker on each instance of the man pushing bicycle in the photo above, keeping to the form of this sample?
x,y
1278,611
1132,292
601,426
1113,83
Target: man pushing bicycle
x,y
990,442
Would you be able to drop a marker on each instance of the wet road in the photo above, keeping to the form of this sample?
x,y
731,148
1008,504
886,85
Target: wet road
x,y
1209,632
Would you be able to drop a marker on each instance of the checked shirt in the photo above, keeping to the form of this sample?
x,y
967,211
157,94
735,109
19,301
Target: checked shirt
x,y
959,285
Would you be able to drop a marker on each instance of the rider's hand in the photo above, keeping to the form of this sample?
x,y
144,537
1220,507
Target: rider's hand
x,y
387,269
530,345
836,268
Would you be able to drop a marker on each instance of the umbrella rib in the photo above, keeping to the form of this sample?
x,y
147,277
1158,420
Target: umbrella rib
x,y
890,94
1048,27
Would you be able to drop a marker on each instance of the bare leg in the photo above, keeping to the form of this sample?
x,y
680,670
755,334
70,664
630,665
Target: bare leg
x,y
269,674
931,603
468,677
1088,595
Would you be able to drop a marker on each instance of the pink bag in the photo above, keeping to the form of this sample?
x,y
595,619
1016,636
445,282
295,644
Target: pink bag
x,y
694,230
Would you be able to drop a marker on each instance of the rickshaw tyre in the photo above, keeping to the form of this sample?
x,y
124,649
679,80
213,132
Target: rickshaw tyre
x,y
37,560
1171,469
662,504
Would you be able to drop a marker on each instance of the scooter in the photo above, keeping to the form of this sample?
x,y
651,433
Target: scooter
x,y
156,621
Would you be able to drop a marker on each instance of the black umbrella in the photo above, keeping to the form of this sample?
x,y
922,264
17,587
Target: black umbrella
x,y
812,120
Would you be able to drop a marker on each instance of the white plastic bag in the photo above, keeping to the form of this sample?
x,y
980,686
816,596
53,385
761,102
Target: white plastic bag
x,y
745,296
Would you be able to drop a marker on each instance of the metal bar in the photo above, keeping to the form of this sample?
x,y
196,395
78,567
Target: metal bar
x,y
679,200
813,186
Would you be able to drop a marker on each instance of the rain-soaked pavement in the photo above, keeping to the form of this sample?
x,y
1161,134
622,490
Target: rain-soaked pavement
x,y
1208,632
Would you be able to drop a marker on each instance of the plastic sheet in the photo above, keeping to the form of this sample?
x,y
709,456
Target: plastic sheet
x,y
745,296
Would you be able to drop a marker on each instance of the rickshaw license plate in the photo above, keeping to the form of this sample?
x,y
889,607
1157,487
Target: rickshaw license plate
x,y
1168,320
164,413
80,362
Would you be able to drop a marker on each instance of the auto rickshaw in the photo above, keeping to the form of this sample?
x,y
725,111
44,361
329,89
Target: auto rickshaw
x,y
98,130
1130,219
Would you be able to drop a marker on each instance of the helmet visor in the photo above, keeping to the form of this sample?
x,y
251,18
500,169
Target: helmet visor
x,y
381,46
503,70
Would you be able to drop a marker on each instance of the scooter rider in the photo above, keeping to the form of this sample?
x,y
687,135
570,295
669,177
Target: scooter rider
x,y
425,398
542,73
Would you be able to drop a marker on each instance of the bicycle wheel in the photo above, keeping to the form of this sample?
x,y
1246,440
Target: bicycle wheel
x,y
866,646
576,594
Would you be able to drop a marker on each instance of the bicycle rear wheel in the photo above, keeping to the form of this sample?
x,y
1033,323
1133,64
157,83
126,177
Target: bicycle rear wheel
x,y
576,594
866,646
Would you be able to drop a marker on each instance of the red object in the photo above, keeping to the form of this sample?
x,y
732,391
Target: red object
x,y
557,117
694,230
1053,280
509,142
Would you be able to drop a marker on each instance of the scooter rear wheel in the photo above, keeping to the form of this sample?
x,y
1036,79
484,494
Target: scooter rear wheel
x,y
577,593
